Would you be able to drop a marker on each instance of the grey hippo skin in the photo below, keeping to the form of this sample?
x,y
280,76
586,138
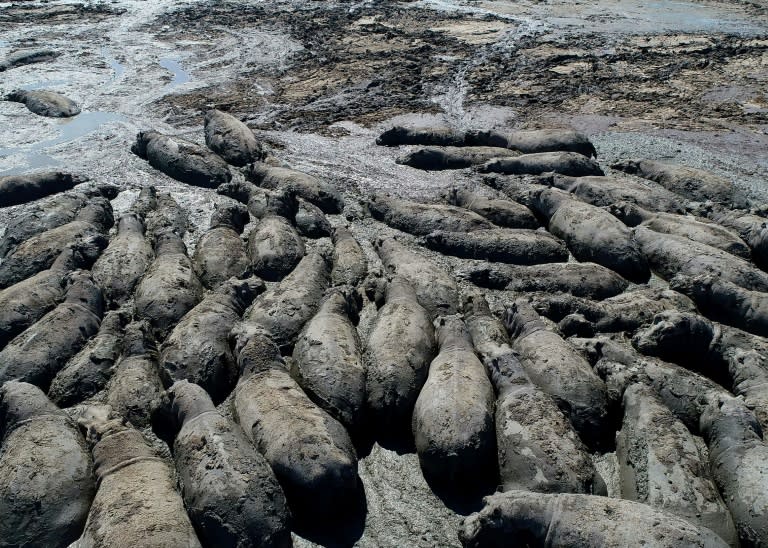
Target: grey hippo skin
x,y
440,158
502,213
315,191
309,451
283,310
661,465
274,246
536,140
23,303
738,458
453,416
45,103
559,370
38,252
440,136
145,203
46,472
231,492
27,57
123,263
752,228
592,234
421,219
579,279
89,370
604,191
671,255
220,253
39,352
198,348
170,288
311,222
538,449
401,344
260,201
181,159
515,188
166,214
135,390
726,302
435,288
721,352
350,267
565,163
704,232
578,521
684,392
625,312
328,361
136,503
691,183
41,216
231,139
504,245
18,189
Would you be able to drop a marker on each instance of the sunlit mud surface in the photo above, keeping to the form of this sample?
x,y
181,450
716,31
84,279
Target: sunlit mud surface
x,y
317,81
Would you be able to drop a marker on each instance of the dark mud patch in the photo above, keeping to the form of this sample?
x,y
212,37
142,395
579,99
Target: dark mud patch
x,y
22,13
370,63
366,64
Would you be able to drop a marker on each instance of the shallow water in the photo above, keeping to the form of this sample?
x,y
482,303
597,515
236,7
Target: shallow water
x,y
180,76
70,129
118,69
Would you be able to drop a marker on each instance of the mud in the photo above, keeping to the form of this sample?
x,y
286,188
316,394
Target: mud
x,y
682,82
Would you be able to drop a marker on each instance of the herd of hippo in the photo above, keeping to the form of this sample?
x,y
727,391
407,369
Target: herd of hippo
x,y
128,330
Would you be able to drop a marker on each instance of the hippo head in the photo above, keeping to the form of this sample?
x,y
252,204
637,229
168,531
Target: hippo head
x,y
232,215
435,239
424,158
139,148
475,304
242,292
628,213
675,335
392,137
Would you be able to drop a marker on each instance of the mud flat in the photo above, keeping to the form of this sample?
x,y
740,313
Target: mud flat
x,y
681,82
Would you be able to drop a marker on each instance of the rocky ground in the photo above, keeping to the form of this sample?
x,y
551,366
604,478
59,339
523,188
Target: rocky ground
x,y
318,81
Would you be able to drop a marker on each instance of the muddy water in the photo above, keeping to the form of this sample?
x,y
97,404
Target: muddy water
x,y
126,71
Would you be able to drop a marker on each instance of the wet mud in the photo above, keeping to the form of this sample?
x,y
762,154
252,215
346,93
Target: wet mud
x,y
317,82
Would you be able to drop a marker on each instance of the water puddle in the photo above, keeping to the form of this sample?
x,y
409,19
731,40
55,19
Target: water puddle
x,y
117,67
34,160
180,76
34,156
